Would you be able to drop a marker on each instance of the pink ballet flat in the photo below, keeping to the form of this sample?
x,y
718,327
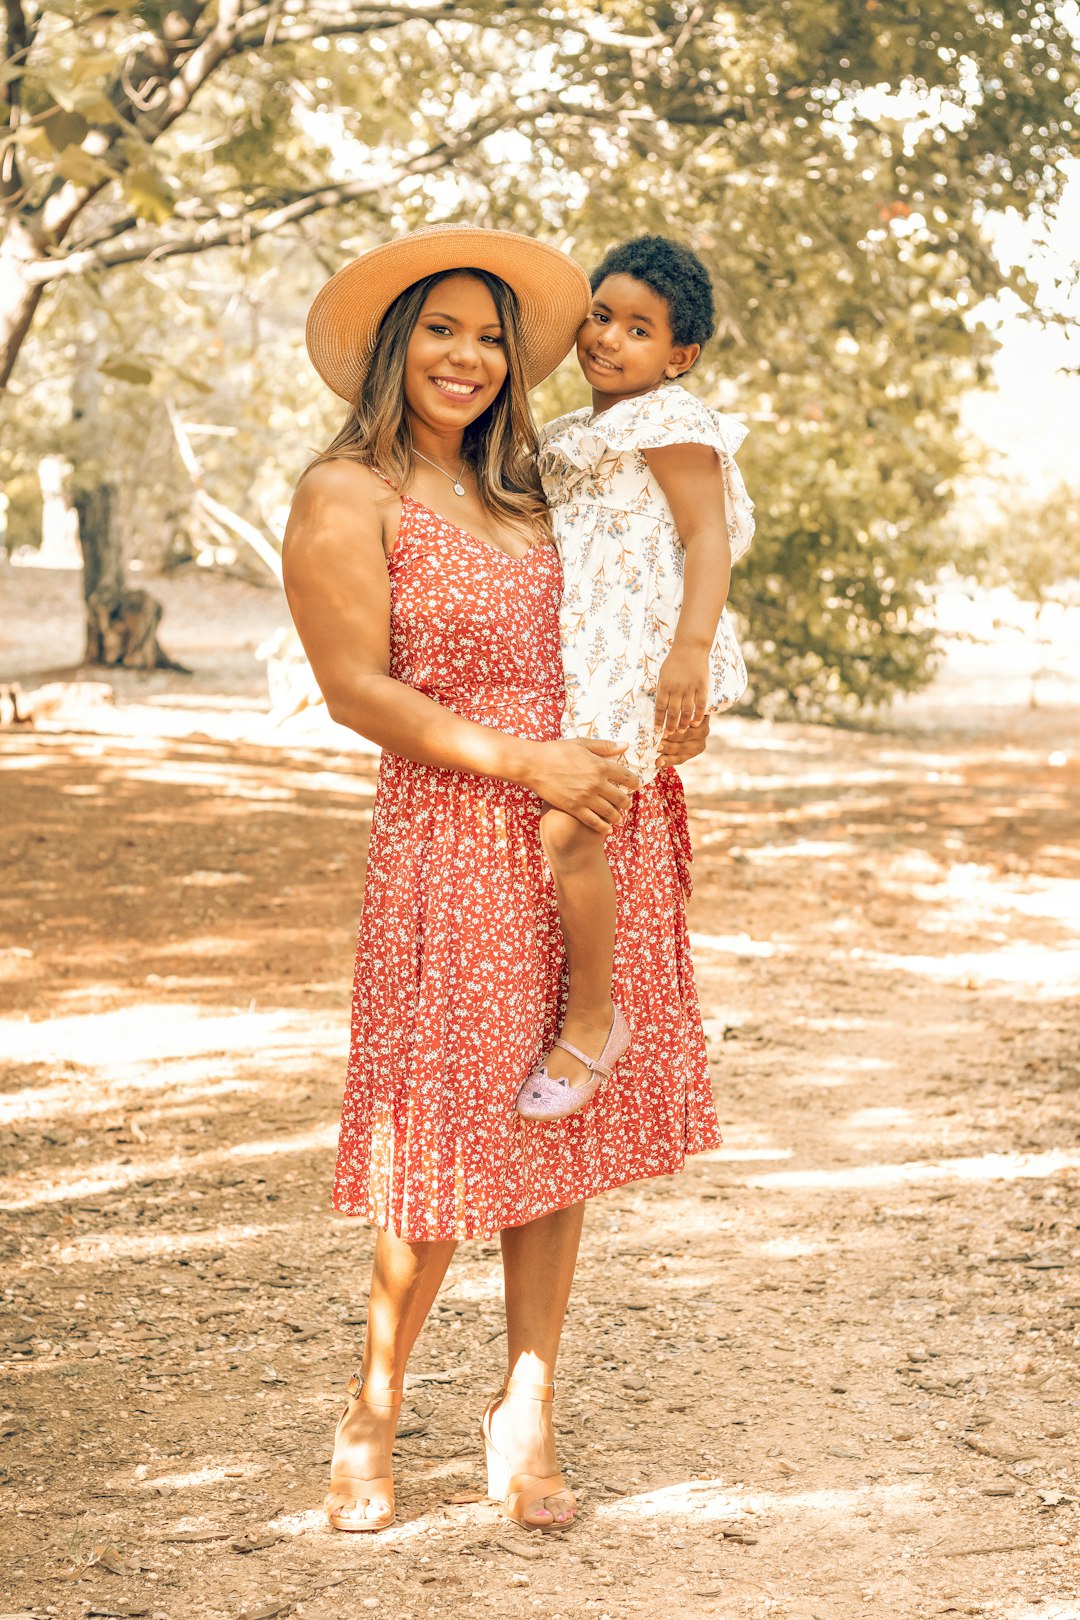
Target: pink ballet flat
x,y
541,1097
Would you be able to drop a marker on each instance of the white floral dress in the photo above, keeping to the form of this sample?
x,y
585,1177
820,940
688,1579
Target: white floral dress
x,y
623,561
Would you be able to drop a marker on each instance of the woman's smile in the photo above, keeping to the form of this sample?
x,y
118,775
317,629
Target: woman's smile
x,y
456,387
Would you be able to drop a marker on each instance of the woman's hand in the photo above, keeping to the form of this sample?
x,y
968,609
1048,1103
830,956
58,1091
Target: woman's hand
x,y
584,777
676,750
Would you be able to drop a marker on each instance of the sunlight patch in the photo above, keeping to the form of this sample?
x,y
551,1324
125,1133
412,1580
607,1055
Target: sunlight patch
x,y
1050,969
726,1155
323,1136
875,1118
191,1481
141,1245
805,849
127,1039
71,1100
114,1176
991,1167
712,1499
736,945
789,1248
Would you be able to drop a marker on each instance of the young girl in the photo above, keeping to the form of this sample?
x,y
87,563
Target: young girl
x,y
649,511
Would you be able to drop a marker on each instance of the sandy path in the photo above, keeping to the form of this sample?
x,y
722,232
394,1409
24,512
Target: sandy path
x,y
830,1371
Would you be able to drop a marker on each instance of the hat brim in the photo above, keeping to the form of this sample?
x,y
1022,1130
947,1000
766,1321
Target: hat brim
x,y
553,296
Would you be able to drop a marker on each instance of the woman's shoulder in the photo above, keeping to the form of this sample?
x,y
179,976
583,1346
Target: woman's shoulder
x,y
336,499
341,478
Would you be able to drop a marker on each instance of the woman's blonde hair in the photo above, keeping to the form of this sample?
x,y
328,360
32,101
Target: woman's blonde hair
x,y
499,448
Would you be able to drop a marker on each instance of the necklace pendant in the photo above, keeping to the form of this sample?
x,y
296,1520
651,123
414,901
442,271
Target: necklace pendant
x,y
459,489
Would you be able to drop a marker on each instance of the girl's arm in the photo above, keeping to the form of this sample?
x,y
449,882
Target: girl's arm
x,y
692,479
338,590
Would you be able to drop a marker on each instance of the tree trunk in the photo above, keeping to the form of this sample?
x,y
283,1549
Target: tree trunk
x,y
19,298
121,623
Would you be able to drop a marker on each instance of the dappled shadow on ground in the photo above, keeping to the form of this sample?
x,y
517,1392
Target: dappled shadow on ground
x,y
825,1372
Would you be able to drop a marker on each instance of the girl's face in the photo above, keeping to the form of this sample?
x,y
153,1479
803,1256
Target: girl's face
x,y
625,346
455,363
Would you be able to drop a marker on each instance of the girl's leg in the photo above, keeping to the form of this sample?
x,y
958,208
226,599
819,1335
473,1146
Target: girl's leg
x,y
585,891
405,1278
538,1272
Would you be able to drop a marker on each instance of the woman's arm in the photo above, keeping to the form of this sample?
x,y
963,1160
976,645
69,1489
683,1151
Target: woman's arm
x,y
692,479
338,590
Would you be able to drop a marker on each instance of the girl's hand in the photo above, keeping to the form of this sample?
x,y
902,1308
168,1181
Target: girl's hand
x,y
682,692
585,778
691,743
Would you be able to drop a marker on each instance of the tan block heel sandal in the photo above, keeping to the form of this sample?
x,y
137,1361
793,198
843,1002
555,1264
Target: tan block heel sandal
x,y
520,1494
350,1487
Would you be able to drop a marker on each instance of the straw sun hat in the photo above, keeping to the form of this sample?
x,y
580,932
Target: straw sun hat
x,y
552,291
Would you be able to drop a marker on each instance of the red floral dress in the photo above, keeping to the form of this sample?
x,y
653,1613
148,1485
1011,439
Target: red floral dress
x,y
460,969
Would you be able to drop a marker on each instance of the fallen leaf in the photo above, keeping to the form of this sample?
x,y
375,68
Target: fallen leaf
x,y
106,1556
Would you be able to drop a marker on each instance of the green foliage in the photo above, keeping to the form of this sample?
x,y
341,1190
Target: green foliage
x,y
832,160
20,510
1035,549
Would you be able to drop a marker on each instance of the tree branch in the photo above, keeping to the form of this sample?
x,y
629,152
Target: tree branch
x,y
360,19
219,232
17,41
109,233
267,39
237,30
197,67
230,34
223,516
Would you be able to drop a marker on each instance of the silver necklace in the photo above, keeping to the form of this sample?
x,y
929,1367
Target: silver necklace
x,y
459,487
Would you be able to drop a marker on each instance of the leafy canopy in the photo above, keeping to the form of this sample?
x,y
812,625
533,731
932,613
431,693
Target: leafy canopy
x,y
834,163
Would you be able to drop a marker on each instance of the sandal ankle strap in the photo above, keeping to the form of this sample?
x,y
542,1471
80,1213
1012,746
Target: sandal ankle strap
x,y
373,1395
536,1392
593,1065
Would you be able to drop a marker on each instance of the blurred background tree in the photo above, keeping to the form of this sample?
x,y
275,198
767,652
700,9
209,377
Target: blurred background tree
x,y
176,181
1034,547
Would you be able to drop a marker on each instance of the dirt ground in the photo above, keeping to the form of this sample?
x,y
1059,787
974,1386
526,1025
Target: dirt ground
x,y
830,1371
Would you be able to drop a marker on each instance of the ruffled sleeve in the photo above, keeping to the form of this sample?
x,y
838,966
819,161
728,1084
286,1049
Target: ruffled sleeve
x,y
668,416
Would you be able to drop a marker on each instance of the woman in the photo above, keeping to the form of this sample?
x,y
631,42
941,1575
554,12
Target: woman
x,y
424,585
